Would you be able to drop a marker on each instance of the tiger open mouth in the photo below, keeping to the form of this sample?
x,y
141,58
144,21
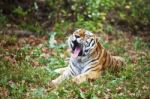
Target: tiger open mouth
x,y
76,49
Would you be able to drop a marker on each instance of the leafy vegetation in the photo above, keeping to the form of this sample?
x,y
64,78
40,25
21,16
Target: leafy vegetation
x,y
28,63
26,71
93,15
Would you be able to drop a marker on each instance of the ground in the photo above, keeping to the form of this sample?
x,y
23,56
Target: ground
x,y
27,65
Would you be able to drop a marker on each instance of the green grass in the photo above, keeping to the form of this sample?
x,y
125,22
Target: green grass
x,y
28,76
3,20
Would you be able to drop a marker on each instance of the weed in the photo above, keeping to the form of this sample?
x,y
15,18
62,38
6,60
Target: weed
x,y
3,20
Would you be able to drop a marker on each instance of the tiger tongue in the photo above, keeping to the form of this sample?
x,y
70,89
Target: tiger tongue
x,y
76,52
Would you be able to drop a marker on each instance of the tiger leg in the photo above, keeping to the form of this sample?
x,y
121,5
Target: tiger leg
x,y
66,75
58,80
91,75
60,70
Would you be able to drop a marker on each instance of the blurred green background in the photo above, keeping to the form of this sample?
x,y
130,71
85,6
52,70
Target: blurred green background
x,y
95,15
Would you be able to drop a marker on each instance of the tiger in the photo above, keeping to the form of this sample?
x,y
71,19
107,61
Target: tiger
x,y
88,59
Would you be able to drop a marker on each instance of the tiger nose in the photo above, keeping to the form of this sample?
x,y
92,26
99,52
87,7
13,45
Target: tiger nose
x,y
77,36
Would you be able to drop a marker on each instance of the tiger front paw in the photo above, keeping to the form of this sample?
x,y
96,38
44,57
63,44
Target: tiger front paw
x,y
51,86
79,79
54,83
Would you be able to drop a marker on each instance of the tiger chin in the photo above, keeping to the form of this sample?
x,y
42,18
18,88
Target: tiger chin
x,y
88,59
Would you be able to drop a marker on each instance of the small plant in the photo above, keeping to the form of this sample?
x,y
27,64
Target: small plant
x,y
20,12
36,28
3,19
137,43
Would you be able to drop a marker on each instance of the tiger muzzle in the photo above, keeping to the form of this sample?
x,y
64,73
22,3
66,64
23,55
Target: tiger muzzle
x,y
77,48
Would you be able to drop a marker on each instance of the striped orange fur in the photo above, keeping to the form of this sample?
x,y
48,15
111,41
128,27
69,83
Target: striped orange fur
x,y
88,60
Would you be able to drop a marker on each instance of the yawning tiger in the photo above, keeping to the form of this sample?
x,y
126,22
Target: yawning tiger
x,y
88,60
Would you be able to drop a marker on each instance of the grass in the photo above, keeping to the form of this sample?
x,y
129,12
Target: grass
x,y
25,72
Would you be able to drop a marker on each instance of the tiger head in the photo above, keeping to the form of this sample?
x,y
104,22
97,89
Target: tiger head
x,y
82,43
